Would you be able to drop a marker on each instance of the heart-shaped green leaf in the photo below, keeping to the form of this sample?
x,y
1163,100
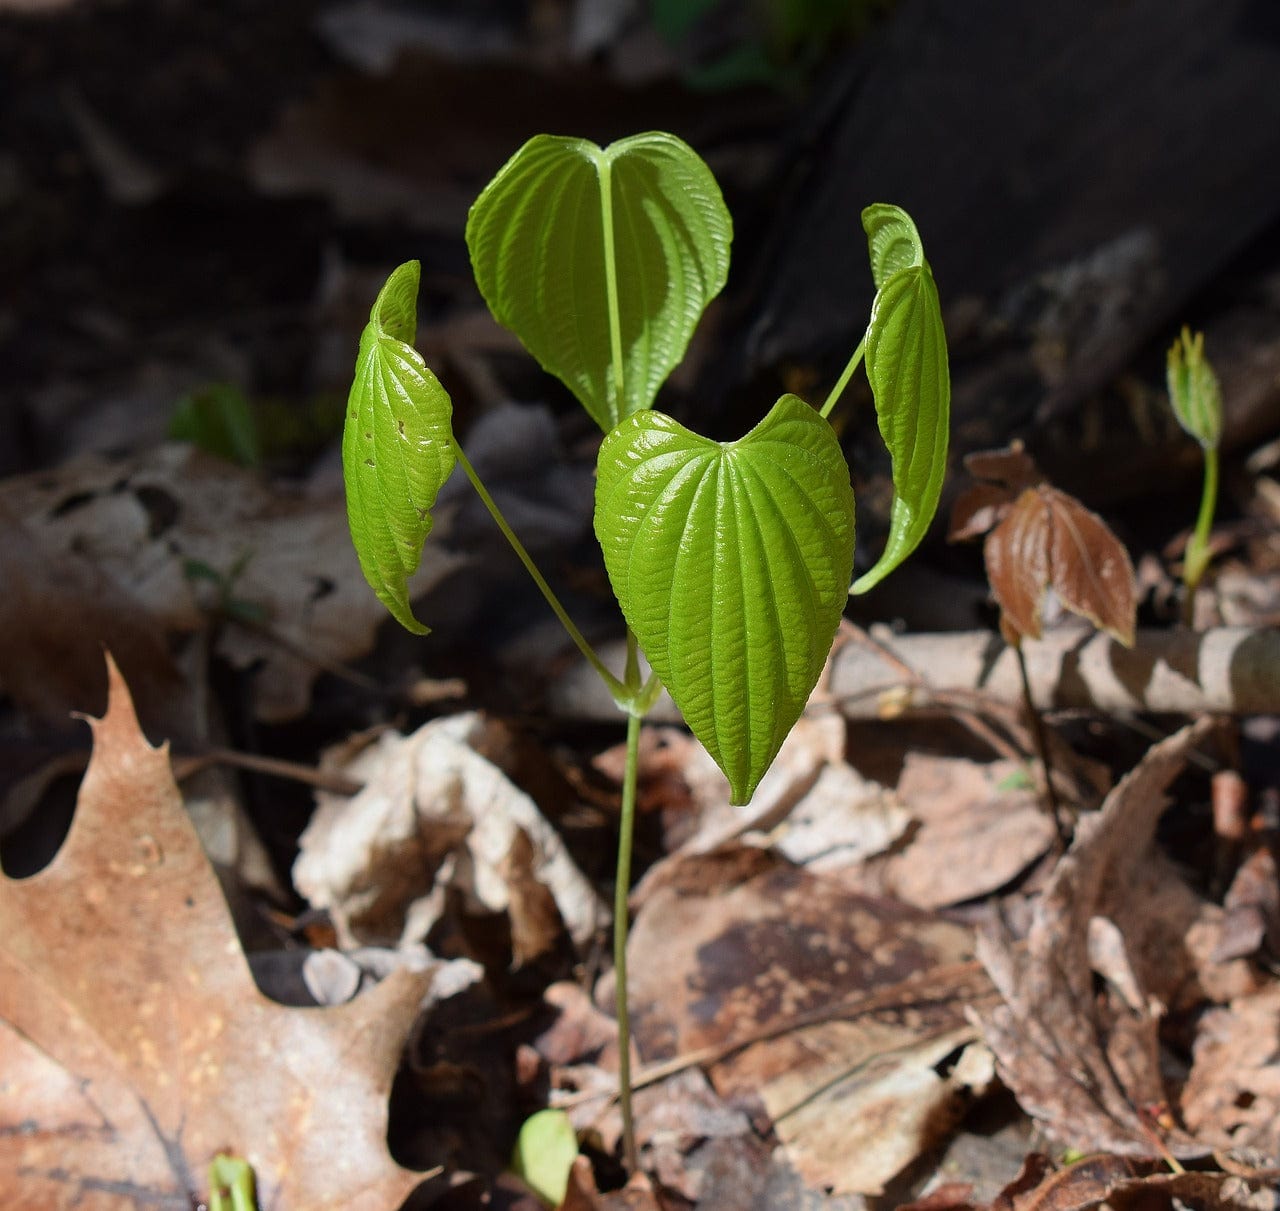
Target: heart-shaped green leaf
x,y
731,561
397,446
602,260
906,352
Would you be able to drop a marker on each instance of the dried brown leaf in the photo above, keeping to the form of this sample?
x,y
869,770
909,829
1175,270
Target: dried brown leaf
x,y
1049,540
1009,467
1232,1096
133,1042
1087,1065
978,508
713,960
134,529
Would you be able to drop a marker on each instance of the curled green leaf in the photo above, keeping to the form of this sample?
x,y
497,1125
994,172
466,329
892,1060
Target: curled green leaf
x,y
397,446
906,355
602,260
731,561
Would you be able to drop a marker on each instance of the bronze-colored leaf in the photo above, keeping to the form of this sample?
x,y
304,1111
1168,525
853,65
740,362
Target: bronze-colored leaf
x,y
1049,540
978,509
1010,467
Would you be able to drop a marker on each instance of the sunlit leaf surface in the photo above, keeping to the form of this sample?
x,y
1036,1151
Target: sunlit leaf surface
x,y
602,260
731,561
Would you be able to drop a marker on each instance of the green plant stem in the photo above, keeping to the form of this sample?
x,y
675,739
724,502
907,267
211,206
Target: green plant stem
x,y
1196,558
626,830
843,381
621,692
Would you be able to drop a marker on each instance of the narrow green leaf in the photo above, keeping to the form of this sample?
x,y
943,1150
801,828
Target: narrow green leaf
x,y
1194,390
602,260
731,561
906,355
397,446
545,1150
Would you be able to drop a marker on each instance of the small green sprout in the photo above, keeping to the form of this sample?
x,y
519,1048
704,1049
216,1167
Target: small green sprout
x,y
544,1153
730,561
1197,403
231,1184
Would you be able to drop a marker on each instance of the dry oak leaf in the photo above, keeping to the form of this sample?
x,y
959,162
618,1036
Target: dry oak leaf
x,y
134,1044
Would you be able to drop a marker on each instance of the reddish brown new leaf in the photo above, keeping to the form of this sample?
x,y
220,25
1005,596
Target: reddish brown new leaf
x,y
134,1044
1049,540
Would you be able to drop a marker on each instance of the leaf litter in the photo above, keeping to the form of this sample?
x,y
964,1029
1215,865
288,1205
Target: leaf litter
x,y
1163,1004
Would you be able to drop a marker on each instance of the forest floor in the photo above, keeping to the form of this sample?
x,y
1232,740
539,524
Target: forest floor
x,y
313,892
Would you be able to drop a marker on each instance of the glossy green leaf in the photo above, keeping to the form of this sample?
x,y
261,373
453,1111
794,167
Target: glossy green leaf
x,y
544,1153
906,356
731,561
397,446
602,260
1194,390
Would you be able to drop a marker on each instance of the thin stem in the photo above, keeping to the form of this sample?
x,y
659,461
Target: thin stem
x,y
616,688
626,830
1042,748
1196,558
843,381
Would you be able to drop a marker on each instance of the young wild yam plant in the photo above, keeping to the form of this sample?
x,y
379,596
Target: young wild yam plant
x,y
730,561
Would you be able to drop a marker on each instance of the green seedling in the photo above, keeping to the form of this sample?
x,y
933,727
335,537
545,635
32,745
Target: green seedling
x,y
544,1154
730,560
1197,403
219,419
231,1184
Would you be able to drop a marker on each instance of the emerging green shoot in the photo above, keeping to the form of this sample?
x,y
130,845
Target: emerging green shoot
x,y
1197,403
231,1185
544,1153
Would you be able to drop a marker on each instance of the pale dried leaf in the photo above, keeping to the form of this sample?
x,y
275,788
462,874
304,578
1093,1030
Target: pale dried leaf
x,y
128,1016
1232,1097
974,834
435,814
139,524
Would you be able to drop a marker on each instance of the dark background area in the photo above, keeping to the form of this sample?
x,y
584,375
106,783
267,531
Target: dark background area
x,y
196,197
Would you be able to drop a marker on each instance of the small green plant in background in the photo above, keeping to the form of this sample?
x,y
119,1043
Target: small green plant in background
x,y
730,561
544,1154
231,1186
1197,403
